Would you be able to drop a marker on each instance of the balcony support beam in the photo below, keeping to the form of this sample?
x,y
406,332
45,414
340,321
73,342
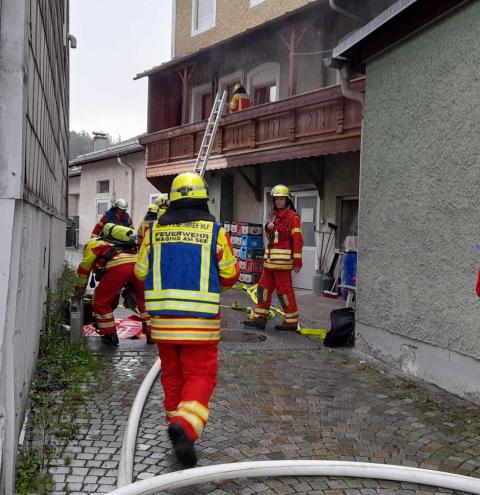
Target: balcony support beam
x,y
185,73
318,179
292,43
255,186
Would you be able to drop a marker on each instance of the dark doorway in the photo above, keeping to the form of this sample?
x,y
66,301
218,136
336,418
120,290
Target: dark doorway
x,y
348,216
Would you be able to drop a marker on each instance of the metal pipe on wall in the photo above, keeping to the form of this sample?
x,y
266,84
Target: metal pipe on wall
x,y
130,186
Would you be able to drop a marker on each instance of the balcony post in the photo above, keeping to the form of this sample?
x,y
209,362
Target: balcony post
x,y
185,73
292,125
340,114
253,133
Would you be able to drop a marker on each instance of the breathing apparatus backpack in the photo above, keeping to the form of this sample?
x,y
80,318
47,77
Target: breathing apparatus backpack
x,y
120,238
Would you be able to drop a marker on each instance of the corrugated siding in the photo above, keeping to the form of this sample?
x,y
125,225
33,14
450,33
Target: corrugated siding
x,y
46,125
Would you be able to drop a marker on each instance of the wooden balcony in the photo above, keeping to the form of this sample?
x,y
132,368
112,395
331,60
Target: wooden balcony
x,y
321,122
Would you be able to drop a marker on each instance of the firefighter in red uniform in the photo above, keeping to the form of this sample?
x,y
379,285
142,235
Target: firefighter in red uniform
x,y
117,214
240,99
112,258
185,260
283,254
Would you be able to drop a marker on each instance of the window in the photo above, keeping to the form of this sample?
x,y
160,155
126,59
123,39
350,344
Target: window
x,y
201,102
228,82
265,93
203,15
255,2
103,186
102,207
263,83
153,197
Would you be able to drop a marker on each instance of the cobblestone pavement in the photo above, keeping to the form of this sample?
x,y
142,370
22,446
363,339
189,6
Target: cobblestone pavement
x,y
279,396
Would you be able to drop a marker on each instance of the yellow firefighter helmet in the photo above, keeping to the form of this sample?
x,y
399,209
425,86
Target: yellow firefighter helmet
x,y
280,191
188,185
162,200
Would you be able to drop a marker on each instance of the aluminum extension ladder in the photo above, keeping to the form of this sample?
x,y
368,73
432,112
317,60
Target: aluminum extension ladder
x,y
210,133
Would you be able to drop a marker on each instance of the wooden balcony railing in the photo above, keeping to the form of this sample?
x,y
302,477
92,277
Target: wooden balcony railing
x,y
318,123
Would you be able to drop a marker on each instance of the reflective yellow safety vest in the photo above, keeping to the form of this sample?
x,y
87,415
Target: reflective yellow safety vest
x,y
183,279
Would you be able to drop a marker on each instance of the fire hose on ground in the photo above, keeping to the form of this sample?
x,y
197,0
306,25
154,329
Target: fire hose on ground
x,y
262,469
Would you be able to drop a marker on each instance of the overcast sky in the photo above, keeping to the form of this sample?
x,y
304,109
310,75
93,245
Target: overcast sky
x,y
116,40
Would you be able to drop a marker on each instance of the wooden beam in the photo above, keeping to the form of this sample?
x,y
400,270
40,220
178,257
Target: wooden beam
x,y
292,43
185,74
292,83
256,186
318,180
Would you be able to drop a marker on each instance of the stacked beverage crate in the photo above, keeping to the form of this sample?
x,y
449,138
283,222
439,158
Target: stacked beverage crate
x,y
247,243
235,231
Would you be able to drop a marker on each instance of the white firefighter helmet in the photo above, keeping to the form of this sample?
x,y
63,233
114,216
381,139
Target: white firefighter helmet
x,y
121,204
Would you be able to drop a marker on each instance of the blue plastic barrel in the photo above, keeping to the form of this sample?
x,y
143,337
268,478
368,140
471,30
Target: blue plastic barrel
x,y
349,270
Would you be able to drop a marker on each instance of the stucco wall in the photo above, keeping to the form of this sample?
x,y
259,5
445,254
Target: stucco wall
x,y
73,195
74,185
119,180
420,179
231,18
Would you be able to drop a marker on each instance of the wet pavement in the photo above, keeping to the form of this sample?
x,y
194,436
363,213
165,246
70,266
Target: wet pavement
x,y
279,396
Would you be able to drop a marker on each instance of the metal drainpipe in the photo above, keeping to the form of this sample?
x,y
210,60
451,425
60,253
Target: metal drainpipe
x,y
349,93
344,12
130,189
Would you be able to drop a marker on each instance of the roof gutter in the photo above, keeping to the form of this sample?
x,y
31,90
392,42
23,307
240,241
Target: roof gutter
x,y
344,12
345,70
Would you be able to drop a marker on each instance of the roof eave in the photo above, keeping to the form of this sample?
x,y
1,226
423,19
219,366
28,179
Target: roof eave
x,y
400,21
104,156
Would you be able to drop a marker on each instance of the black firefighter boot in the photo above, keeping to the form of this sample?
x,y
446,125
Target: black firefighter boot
x,y
182,446
148,333
110,339
286,328
259,323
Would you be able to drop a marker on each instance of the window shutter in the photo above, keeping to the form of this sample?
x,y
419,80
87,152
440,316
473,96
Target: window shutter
x,y
204,14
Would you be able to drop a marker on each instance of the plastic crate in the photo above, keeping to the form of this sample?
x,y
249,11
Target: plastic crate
x,y
251,278
239,228
252,266
255,254
250,253
252,241
226,226
252,229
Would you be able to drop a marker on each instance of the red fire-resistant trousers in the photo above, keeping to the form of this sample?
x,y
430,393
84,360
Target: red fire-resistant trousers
x,y
281,281
107,293
188,376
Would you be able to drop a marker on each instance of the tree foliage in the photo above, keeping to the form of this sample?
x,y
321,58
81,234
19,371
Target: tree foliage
x,y
80,143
